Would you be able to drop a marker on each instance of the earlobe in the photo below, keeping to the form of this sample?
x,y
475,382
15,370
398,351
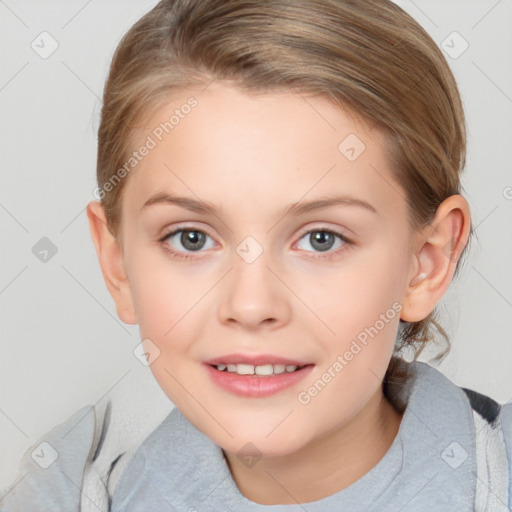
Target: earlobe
x,y
111,261
439,248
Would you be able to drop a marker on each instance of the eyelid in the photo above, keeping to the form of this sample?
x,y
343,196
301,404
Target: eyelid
x,y
167,231
322,227
341,232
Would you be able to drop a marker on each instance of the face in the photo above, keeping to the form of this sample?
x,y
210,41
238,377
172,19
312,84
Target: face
x,y
318,284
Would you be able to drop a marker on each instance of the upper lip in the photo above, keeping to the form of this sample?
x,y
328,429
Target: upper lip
x,y
255,360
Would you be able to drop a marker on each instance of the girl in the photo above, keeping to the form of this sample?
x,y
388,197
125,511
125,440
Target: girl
x,y
280,212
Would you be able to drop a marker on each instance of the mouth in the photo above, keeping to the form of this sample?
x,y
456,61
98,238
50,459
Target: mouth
x,y
257,380
261,365
264,370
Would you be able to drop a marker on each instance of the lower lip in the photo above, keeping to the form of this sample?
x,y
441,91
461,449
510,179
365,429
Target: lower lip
x,y
254,385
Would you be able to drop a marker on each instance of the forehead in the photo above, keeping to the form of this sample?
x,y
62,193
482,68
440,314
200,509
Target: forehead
x,y
235,148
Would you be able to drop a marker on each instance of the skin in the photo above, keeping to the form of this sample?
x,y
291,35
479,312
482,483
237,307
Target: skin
x,y
252,156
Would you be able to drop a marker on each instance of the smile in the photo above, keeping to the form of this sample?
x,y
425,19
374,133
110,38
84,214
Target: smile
x,y
261,370
247,380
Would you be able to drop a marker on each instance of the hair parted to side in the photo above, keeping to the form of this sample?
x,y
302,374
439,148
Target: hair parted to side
x,y
369,57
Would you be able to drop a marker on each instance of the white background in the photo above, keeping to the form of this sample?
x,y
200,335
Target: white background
x,y
62,345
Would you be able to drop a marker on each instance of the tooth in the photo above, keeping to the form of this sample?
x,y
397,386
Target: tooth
x,y
245,369
264,369
279,368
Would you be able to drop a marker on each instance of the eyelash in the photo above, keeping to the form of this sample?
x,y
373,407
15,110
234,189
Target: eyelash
x,y
185,256
177,254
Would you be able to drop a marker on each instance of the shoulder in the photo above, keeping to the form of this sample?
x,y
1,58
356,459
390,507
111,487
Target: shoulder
x,y
506,419
479,423
506,423
493,431
50,472
75,466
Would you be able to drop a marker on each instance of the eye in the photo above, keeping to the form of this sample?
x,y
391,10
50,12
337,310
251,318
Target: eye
x,y
194,240
190,240
323,240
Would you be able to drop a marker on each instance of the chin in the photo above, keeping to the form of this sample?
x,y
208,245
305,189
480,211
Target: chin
x,y
245,444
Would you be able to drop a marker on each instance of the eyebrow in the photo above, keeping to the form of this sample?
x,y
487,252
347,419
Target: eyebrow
x,y
298,208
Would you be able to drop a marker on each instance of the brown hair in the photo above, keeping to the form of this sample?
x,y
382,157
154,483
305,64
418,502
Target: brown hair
x,y
369,56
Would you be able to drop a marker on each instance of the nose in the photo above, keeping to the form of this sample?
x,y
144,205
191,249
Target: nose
x,y
254,297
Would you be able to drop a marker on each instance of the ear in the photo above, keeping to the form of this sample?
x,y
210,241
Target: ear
x,y
111,261
440,245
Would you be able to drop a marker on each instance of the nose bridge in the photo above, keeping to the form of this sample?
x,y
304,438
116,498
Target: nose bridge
x,y
253,295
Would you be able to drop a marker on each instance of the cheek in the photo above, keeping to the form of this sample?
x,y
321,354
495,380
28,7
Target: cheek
x,y
355,297
362,310
361,307
165,296
168,303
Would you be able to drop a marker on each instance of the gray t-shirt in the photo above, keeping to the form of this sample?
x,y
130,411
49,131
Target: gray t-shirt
x,y
431,465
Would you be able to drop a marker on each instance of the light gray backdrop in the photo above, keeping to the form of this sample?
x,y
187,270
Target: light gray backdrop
x,y
62,345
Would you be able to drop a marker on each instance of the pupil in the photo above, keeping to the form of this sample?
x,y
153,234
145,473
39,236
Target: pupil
x,y
190,239
322,240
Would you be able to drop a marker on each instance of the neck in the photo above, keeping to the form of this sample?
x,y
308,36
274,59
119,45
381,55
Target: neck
x,y
336,460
